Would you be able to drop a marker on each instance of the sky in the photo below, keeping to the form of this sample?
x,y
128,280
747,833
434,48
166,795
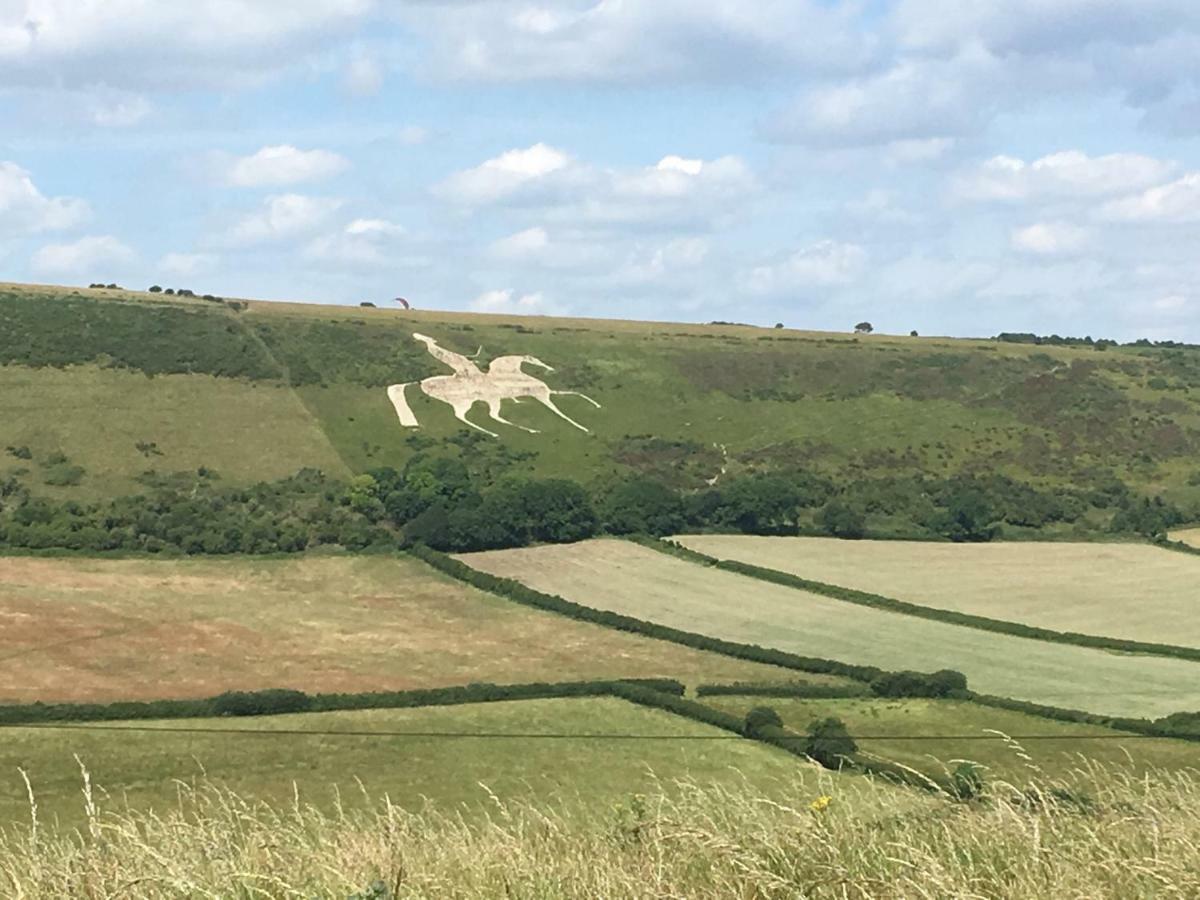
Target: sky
x,y
955,168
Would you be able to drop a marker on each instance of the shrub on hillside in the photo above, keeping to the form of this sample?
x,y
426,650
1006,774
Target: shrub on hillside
x,y
761,717
829,743
945,683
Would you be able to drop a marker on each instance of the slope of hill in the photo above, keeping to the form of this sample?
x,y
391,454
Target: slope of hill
x,y
115,383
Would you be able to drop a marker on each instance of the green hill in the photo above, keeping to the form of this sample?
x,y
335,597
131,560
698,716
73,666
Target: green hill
x,y
101,387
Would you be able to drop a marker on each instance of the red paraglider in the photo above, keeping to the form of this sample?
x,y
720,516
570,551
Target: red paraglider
x,y
403,302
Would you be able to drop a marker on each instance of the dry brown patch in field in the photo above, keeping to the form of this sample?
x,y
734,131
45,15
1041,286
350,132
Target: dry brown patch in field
x,y
97,630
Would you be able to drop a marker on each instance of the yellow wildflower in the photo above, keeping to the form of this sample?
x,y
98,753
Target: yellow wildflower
x,y
820,804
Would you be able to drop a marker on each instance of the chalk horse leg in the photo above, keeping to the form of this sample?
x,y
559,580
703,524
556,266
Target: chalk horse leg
x,y
461,408
549,404
494,411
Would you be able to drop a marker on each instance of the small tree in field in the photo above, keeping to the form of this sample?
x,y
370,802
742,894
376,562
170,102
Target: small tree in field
x,y
864,328
759,718
829,743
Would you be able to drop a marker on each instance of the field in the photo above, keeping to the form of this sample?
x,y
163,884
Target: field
x,y
922,735
99,630
672,395
1189,536
642,582
265,759
244,430
1131,591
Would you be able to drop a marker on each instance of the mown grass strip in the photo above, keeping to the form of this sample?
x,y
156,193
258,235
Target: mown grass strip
x,y
887,604
520,593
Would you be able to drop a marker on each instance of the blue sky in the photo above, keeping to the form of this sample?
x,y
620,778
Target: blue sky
x,y
964,168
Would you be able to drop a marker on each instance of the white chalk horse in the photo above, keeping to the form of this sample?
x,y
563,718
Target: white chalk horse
x,y
504,380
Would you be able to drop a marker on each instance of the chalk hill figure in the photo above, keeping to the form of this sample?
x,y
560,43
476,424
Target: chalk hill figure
x,y
503,380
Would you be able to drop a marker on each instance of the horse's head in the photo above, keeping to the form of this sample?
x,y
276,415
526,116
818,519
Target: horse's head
x,y
534,361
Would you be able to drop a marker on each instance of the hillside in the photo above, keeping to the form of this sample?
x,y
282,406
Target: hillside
x,y
107,392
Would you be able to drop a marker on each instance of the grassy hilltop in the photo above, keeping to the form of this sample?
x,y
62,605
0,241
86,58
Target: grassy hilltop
x,y
115,383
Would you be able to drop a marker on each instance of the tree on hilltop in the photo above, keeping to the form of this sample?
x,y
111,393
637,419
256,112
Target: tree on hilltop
x,y
864,328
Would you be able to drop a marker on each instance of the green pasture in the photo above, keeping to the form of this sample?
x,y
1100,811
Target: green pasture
x,y
277,758
1132,591
932,736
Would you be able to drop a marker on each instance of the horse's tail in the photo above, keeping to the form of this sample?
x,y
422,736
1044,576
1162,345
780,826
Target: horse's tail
x,y
396,395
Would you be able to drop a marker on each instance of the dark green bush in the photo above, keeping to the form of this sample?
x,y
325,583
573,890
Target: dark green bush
x,y
261,703
829,743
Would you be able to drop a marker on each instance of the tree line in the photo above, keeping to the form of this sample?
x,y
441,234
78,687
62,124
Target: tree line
x,y
436,501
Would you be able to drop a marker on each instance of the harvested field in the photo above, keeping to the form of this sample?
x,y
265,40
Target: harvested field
x,y
1132,591
1190,536
140,768
98,630
641,582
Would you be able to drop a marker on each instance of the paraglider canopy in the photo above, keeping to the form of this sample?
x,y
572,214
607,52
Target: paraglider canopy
x,y
403,302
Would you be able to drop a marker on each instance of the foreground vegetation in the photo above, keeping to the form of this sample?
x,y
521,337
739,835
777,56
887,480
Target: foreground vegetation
x,y
1128,837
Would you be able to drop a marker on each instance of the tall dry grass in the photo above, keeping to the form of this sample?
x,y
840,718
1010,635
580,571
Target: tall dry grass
x,y
1130,838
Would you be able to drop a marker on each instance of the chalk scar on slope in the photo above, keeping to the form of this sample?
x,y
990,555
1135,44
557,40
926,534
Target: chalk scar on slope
x,y
503,380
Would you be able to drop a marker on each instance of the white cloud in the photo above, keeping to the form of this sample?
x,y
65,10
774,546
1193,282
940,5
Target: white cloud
x,y
642,41
682,256
507,301
1068,174
521,245
412,135
283,164
503,176
1050,238
119,111
363,242
1178,201
363,76
823,264
186,264
91,256
915,105
25,210
161,45
283,216
676,189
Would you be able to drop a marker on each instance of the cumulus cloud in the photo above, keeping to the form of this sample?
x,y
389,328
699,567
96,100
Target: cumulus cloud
x,y
155,45
916,104
363,242
89,255
525,244
363,75
281,217
1177,201
1068,174
824,264
643,41
508,301
119,110
1050,238
676,190
26,210
504,176
283,164
186,264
